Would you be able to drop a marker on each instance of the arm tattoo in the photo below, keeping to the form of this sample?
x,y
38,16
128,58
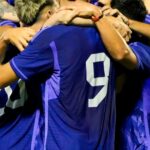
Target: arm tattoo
x,y
6,8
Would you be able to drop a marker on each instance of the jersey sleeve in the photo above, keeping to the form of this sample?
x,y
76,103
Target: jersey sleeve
x,y
7,23
35,60
142,53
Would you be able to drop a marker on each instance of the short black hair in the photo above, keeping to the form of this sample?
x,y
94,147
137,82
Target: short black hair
x,y
133,9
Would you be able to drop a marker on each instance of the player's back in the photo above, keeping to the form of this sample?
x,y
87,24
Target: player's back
x,y
79,96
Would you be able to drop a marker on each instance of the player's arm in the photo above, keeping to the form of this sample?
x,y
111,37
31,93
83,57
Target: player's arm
x,y
19,37
35,61
7,75
115,44
7,12
68,17
80,13
137,26
77,12
26,66
140,27
3,45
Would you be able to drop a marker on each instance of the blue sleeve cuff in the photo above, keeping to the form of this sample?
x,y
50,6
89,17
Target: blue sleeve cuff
x,y
137,56
142,53
17,70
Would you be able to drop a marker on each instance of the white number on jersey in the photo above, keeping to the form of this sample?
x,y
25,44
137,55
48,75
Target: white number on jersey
x,y
98,81
13,104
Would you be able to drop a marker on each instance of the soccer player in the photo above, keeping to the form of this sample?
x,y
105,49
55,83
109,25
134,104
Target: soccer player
x,y
135,128
135,105
70,67
12,97
17,110
135,132
143,64
64,65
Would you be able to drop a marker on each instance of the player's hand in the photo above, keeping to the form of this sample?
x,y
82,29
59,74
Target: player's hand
x,y
121,27
108,11
19,37
68,13
84,9
61,17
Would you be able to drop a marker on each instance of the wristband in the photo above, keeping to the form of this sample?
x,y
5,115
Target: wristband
x,y
95,19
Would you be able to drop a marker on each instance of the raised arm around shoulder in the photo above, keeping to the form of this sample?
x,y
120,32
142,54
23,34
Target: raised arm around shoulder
x,y
140,27
115,44
7,75
3,44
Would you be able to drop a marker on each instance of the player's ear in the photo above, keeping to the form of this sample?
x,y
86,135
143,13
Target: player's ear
x,y
49,13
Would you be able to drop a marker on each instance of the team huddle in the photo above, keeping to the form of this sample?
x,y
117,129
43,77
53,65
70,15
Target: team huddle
x,y
74,75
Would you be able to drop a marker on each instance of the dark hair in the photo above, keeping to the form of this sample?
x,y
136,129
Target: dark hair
x,y
133,9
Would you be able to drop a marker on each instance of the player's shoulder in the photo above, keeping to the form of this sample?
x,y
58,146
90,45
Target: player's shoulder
x,y
142,53
139,45
60,30
8,23
49,34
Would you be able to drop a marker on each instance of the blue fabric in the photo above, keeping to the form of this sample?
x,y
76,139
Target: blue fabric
x,y
7,23
142,53
11,95
147,19
11,2
18,112
71,119
135,132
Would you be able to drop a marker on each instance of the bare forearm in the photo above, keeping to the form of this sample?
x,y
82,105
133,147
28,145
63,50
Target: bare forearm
x,y
82,21
7,75
3,44
113,41
7,11
115,44
3,47
140,27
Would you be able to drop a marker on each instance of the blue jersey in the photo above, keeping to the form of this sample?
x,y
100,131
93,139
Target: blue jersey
x,y
142,53
76,78
15,95
11,2
18,112
147,19
135,132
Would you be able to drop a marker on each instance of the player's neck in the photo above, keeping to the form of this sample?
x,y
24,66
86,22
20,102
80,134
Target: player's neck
x,y
37,26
